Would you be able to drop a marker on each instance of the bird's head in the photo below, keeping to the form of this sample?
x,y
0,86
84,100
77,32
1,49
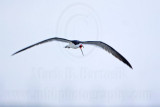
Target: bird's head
x,y
80,46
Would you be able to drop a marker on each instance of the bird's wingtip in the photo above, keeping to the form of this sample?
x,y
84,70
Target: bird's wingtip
x,y
131,67
12,54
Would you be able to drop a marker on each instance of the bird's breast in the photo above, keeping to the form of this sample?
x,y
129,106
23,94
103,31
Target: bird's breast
x,y
71,45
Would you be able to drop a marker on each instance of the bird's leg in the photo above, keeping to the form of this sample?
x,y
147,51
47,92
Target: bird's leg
x,y
81,51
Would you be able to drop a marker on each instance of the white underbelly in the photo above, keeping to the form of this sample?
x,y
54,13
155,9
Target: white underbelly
x,y
71,45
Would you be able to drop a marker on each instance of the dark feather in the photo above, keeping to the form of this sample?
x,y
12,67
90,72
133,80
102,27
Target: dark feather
x,y
44,41
109,49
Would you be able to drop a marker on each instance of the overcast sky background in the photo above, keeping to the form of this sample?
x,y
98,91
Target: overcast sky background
x,y
49,74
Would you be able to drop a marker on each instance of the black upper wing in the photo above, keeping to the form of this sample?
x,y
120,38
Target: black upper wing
x,y
44,41
109,49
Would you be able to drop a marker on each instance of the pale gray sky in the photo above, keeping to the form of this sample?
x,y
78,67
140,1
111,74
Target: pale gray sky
x,y
49,74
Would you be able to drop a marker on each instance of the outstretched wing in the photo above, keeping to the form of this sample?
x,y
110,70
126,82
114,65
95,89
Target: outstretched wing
x,y
44,41
109,49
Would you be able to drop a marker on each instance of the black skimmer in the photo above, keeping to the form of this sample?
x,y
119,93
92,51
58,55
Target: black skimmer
x,y
75,44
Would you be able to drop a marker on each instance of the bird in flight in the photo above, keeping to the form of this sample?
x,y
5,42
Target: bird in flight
x,y
75,44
